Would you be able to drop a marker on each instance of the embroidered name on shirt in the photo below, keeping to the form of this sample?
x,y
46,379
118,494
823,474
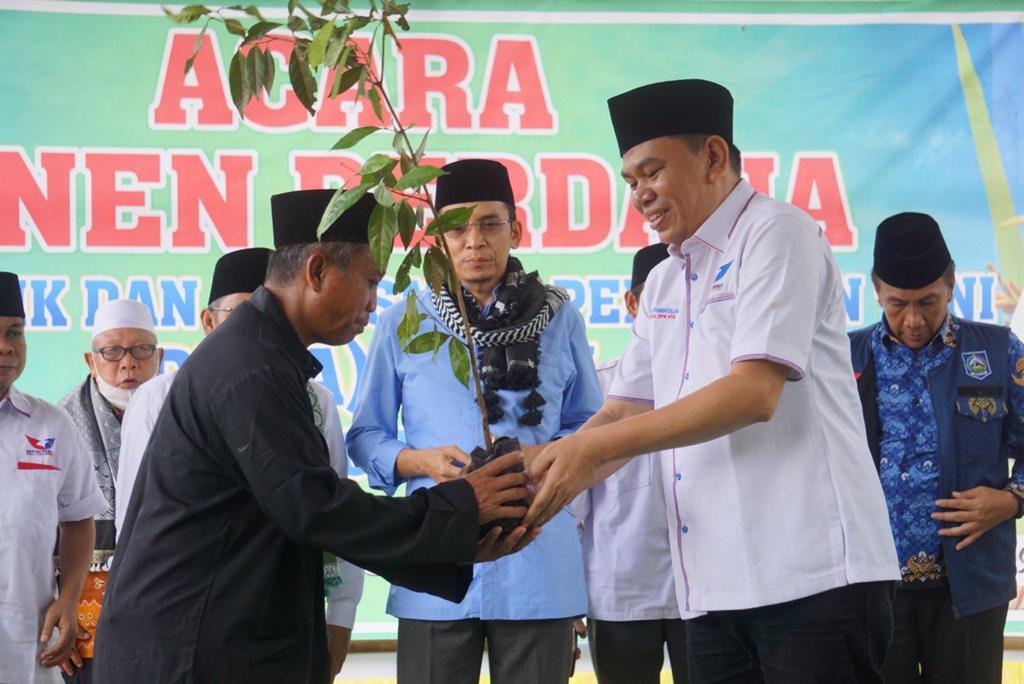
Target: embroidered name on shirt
x,y
663,312
38,449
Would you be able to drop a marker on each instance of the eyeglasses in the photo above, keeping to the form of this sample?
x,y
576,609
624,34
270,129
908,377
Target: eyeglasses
x,y
225,310
139,352
487,227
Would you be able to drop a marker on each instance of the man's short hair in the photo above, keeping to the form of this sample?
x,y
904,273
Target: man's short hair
x,y
695,141
287,263
948,276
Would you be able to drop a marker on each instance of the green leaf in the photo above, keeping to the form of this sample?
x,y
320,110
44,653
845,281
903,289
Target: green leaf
x,y
357,22
302,80
343,199
269,70
396,142
419,176
237,83
384,196
459,357
187,14
255,71
258,30
318,48
253,11
234,26
346,80
435,269
353,137
195,47
297,24
382,229
377,164
335,48
427,342
315,22
421,149
374,97
411,319
291,6
403,23
407,224
411,260
450,219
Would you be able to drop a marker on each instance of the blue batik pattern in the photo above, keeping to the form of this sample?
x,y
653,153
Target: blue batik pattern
x,y
909,441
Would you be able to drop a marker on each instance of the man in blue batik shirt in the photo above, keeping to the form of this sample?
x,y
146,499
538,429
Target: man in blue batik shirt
x,y
540,384
943,402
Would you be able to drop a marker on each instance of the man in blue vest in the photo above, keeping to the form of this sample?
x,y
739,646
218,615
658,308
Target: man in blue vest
x,y
943,402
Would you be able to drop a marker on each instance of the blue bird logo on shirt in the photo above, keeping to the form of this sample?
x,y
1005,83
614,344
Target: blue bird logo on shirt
x,y
722,271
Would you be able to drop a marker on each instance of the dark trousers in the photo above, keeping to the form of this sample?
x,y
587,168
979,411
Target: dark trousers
x,y
632,652
518,651
930,645
83,675
836,637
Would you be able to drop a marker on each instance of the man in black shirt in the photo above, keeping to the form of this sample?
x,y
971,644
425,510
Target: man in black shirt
x,y
218,575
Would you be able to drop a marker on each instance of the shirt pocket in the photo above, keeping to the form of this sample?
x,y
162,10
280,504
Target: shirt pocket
x,y
716,317
980,412
634,475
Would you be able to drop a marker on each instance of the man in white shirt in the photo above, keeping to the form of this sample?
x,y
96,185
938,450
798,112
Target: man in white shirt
x,y
633,613
123,355
236,276
46,483
780,534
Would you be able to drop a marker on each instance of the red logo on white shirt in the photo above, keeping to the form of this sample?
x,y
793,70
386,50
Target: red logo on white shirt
x,y
39,449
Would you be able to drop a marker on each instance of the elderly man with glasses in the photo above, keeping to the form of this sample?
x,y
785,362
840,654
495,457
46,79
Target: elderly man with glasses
x,y
123,355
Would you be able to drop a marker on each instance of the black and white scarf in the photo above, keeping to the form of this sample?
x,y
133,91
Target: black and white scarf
x,y
507,336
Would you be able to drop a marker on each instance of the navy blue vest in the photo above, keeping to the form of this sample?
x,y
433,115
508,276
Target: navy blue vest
x,y
969,397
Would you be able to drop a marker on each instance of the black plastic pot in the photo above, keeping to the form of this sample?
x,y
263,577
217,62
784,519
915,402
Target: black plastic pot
x,y
481,457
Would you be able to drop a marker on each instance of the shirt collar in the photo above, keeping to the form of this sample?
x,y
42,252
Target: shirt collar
x,y
16,401
266,303
717,229
946,335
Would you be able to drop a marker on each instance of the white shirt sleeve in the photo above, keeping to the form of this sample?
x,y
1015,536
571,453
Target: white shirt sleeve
x,y
343,597
79,497
778,287
136,429
633,379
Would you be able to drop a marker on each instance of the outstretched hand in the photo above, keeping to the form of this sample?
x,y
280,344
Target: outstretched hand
x,y
495,493
493,546
561,471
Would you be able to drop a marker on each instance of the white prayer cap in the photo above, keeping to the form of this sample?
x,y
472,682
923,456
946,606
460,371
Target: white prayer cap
x,y
122,313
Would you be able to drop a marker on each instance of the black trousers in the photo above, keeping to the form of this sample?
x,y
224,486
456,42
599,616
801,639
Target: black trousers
x,y
839,636
83,675
930,645
632,652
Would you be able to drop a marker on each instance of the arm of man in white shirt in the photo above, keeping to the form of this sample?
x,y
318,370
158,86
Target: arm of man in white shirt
x,y
342,596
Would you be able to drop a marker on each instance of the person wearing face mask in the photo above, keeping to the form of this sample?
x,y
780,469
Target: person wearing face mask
x,y
236,276
943,402
123,355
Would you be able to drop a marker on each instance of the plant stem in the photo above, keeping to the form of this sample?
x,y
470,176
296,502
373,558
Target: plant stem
x,y
467,330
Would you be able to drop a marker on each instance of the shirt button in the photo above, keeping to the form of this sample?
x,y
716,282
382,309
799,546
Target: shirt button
x,y
686,376
678,477
894,388
692,323
684,529
693,276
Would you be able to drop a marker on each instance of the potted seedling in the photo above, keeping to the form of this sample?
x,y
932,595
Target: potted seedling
x,y
323,41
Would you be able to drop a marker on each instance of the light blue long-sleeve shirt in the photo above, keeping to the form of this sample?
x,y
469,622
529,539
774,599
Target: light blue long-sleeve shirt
x,y
543,581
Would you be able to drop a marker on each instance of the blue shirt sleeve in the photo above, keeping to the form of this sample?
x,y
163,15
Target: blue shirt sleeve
x,y
1013,427
582,394
372,440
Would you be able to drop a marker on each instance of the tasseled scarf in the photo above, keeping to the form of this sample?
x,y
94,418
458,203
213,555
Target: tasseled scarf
x,y
507,336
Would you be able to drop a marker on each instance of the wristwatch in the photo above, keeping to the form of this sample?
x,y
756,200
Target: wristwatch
x,y
1020,503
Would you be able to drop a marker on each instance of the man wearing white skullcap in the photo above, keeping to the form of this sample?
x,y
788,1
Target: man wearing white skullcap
x,y
123,355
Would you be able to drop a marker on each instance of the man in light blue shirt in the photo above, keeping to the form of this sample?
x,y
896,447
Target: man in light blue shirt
x,y
540,384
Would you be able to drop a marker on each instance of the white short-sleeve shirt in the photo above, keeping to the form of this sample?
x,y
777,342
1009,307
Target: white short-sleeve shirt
x,y
137,426
46,478
778,510
626,554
